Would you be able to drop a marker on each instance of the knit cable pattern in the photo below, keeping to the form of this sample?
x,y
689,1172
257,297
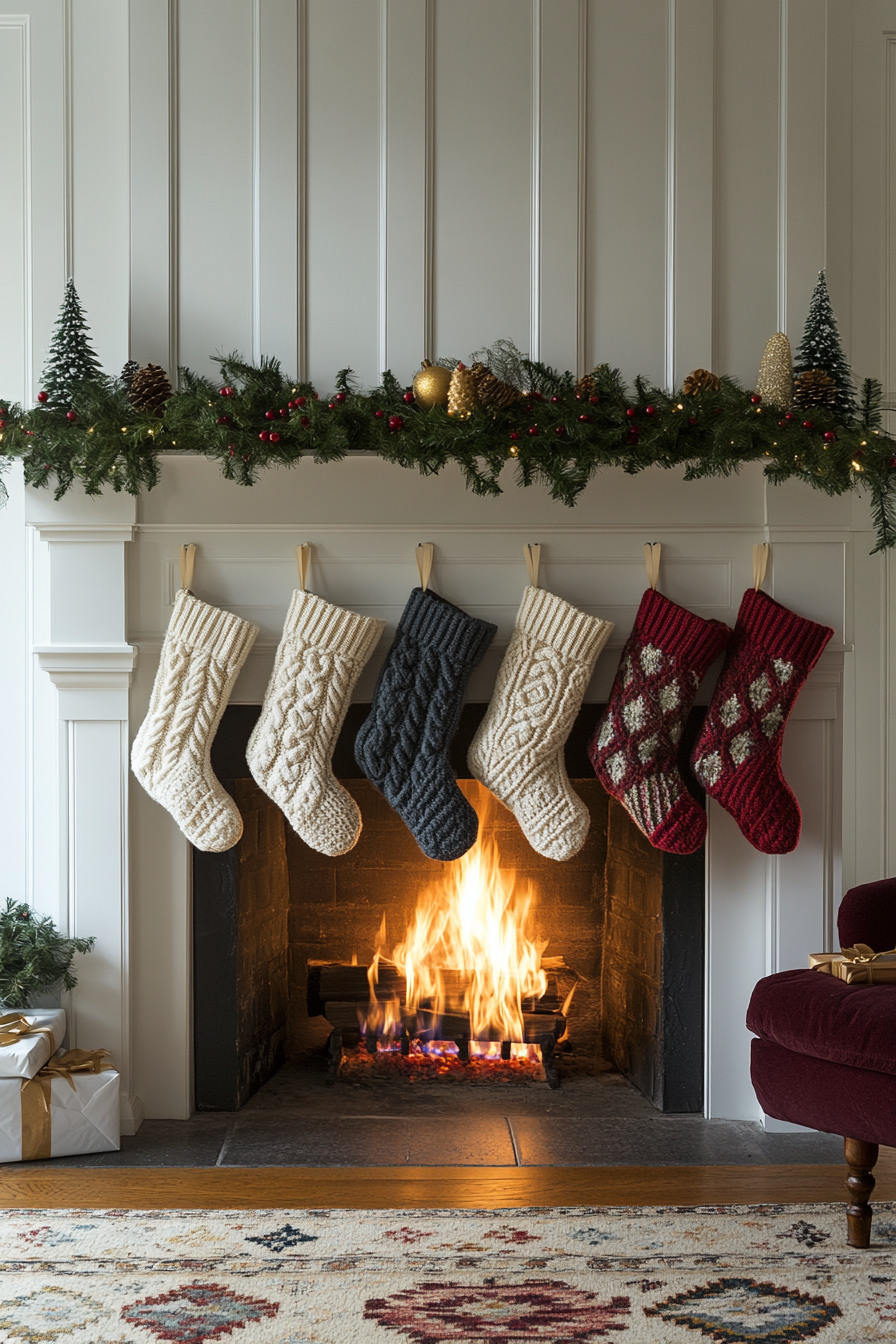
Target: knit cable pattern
x,y
321,655
203,652
402,746
518,749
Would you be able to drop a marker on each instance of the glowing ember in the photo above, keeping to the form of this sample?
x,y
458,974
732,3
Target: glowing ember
x,y
467,952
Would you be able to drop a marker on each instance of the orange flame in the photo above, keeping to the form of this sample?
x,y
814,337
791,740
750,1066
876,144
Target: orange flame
x,y
473,923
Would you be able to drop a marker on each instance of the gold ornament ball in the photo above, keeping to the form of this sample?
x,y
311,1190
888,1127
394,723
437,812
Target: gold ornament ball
x,y
431,385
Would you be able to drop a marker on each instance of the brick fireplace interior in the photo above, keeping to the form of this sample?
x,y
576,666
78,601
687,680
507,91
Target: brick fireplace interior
x,y
626,919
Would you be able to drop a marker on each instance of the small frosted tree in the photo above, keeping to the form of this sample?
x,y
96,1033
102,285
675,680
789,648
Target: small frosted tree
x,y
70,358
820,348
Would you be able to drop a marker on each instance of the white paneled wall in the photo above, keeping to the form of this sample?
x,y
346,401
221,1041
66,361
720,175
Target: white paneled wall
x,y
654,183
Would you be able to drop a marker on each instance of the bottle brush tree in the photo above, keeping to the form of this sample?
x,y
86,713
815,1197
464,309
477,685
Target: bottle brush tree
x,y
70,358
34,955
820,348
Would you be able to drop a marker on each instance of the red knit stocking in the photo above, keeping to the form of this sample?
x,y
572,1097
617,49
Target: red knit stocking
x,y
738,754
635,748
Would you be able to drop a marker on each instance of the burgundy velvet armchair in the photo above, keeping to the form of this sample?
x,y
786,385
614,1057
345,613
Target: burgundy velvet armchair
x,y
825,1056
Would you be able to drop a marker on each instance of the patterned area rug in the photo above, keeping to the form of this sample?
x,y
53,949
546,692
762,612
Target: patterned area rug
x,y
744,1273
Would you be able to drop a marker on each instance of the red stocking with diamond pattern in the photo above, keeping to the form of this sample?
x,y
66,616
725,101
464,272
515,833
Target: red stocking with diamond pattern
x,y
635,748
737,758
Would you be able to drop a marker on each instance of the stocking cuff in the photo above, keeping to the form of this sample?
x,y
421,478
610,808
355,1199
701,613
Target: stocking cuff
x,y
322,624
568,630
692,640
430,619
779,632
226,637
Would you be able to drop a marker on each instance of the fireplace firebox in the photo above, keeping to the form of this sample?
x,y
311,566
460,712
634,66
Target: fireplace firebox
x,y
294,952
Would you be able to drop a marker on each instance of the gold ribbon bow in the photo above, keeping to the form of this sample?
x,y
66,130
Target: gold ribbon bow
x,y
864,956
14,1026
35,1099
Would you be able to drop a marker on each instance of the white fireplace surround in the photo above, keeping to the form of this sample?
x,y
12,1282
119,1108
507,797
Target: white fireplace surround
x,y
98,578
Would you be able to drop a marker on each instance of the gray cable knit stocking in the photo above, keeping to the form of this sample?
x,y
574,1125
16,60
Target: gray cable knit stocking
x,y
402,745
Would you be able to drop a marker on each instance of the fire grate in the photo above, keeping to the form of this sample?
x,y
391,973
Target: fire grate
x,y
341,993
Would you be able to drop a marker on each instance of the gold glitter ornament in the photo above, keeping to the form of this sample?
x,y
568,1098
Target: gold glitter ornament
x,y
775,381
431,385
701,380
462,399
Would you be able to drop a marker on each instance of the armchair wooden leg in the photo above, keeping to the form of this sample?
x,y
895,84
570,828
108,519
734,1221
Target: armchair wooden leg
x,y
860,1158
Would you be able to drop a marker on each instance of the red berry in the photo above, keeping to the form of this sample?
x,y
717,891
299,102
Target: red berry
x,y
555,400
830,436
594,400
226,391
409,398
284,413
788,417
395,423
379,414
579,396
275,437
892,462
807,424
246,458
43,396
223,420
304,422
756,398
340,397
534,431
560,430
270,415
650,410
2,424
331,405
231,450
71,416
514,435
631,412
2,412
299,401
692,420
781,424
264,436
585,419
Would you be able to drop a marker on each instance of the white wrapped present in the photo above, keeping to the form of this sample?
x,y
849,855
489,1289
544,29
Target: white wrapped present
x,y
28,1037
69,1107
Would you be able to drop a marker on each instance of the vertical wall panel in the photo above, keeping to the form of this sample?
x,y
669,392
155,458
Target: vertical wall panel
x,y
558,213
15,261
693,194
626,260
746,167
100,164
803,135
483,163
215,179
275,256
343,139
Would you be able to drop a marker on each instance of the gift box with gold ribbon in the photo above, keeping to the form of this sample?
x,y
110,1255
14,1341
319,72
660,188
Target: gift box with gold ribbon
x,y
28,1037
859,965
69,1107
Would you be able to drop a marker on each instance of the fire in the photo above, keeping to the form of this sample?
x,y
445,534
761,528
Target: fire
x,y
467,950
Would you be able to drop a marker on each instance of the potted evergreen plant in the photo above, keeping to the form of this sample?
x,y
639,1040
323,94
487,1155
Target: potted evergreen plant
x,y
34,955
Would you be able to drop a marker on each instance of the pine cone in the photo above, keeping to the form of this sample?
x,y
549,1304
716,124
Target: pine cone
x,y
775,381
814,388
150,388
586,385
490,391
462,398
701,380
127,373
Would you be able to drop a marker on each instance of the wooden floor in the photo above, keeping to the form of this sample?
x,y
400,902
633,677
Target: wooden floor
x,y
427,1187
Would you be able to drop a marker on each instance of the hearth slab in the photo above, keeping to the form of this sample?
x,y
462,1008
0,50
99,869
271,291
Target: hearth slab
x,y
158,1143
261,1140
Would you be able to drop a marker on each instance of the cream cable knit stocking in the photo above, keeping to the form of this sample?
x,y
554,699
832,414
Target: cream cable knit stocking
x,y
518,749
321,656
203,652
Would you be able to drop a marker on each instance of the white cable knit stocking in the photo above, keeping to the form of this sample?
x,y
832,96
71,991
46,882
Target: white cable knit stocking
x,y
518,749
203,652
321,655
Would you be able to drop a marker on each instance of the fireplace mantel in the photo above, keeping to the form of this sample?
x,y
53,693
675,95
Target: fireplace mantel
x,y
101,576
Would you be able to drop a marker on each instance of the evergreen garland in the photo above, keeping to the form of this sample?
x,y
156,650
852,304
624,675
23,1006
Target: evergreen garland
x,y
34,955
70,359
560,433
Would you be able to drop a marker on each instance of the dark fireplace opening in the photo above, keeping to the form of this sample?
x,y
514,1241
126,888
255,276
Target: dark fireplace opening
x,y
625,920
